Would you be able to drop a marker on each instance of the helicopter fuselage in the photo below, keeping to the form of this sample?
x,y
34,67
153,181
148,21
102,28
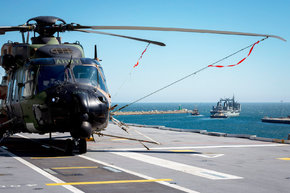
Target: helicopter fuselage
x,y
52,87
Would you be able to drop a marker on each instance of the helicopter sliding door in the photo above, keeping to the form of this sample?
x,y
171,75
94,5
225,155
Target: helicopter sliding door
x,y
13,100
28,98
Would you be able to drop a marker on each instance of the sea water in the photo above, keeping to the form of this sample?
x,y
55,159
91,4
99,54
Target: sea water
x,y
249,121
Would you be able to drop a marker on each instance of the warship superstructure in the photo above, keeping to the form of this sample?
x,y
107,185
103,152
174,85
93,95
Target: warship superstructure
x,y
228,107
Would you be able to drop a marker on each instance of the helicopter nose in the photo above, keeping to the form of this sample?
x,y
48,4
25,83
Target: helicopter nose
x,y
92,111
78,109
91,104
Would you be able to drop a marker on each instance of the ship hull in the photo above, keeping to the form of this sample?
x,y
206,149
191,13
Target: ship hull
x,y
284,120
232,114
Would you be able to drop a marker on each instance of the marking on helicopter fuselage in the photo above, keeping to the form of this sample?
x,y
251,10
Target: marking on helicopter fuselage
x,y
45,146
193,170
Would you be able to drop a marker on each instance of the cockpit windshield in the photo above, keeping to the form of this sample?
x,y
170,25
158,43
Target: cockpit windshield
x,y
51,75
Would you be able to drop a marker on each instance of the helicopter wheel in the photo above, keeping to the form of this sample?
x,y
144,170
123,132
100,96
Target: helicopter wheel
x,y
69,147
82,146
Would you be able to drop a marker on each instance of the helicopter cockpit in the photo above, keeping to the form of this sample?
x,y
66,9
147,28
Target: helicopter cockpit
x,y
52,72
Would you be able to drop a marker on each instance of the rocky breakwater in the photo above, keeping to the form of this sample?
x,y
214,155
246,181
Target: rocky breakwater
x,y
153,112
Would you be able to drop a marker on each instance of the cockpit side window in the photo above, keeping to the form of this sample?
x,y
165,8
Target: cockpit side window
x,y
102,79
29,77
86,75
90,75
18,76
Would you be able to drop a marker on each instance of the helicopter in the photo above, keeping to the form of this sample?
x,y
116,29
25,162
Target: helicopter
x,y
50,86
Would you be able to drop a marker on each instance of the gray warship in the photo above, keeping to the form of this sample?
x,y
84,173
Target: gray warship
x,y
226,107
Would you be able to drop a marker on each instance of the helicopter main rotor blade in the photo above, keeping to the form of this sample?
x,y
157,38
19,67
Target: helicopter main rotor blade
x,y
122,36
180,30
4,29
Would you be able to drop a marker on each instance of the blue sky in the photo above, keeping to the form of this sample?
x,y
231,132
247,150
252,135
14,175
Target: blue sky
x,y
263,77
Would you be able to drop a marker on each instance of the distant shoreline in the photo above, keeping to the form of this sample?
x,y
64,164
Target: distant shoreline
x,y
153,112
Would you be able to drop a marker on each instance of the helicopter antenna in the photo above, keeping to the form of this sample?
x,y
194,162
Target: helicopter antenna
x,y
96,52
194,73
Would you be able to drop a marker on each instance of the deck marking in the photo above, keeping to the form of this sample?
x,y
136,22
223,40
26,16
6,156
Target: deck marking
x,y
209,174
108,182
59,157
69,168
202,147
285,158
16,186
40,171
208,155
140,175
182,150
49,171
111,169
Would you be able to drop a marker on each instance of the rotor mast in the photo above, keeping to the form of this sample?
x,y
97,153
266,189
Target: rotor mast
x,y
46,27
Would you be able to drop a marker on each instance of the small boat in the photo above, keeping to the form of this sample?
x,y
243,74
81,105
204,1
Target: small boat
x,y
195,112
218,114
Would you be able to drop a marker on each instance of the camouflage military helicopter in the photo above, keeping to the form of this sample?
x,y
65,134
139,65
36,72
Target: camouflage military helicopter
x,y
50,86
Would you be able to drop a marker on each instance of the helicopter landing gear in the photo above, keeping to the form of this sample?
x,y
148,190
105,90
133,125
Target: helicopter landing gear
x,y
4,134
76,145
1,136
69,147
82,146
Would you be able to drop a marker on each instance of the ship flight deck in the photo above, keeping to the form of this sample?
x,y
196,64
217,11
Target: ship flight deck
x,y
184,162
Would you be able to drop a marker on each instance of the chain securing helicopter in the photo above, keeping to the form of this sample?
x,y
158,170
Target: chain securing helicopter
x,y
50,86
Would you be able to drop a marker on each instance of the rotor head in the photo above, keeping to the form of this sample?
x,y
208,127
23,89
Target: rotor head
x,y
46,25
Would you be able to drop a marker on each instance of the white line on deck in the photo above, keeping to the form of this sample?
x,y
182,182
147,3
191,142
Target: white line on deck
x,y
202,147
140,175
209,174
208,155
